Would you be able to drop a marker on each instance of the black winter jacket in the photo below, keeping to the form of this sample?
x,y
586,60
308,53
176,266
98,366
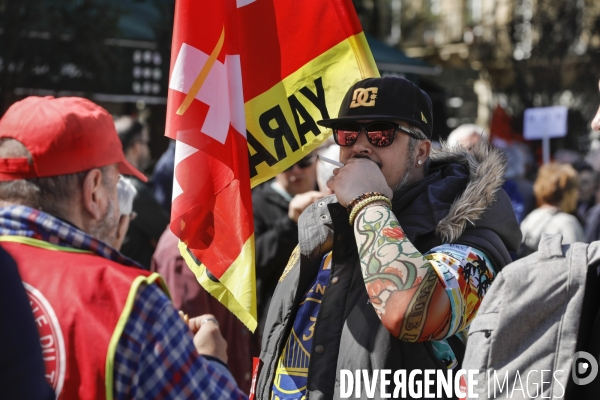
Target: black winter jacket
x,y
460,201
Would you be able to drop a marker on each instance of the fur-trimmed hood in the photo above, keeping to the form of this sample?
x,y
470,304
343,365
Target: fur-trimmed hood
x,y
487,166
461,201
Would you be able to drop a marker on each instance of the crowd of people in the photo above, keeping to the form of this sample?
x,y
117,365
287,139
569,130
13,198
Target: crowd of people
x,y
380,264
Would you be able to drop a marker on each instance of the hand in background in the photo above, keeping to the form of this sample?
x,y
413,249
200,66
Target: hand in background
x,y
301,201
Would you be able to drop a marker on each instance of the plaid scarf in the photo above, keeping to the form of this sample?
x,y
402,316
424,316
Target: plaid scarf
x,y
35,224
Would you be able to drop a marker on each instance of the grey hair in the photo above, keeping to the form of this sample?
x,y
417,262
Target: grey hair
x,y
463,132
51,194
412,145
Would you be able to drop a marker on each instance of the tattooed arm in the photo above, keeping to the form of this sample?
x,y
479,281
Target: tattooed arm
x,y
402,284
417,296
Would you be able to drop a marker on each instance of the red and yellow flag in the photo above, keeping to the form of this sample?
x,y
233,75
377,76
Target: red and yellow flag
x,y
249,79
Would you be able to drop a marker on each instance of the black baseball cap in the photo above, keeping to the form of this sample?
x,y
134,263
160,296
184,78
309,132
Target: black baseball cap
x,y
384,99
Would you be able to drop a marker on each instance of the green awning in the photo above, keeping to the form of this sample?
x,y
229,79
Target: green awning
x,y
391,60
140,18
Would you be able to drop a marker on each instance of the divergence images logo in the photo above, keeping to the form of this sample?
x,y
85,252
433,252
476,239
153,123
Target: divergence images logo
x,y
584,369
364,97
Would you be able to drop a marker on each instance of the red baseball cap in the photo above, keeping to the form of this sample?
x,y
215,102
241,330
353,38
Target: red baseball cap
x,y
64,135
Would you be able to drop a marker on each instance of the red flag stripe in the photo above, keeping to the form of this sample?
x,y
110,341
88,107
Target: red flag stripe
x,y
288,37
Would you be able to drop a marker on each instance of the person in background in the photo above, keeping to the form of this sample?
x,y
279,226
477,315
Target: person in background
x,y
162,178
587,190
151,220
467,136
108,324
566,156
592,224
277,204
126,193
541,311
556,192
516,172
191,298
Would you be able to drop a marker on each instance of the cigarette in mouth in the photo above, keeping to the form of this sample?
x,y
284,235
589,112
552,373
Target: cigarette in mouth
x,y
330,161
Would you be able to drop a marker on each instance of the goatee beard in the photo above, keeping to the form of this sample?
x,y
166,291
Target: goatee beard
x,y
399,189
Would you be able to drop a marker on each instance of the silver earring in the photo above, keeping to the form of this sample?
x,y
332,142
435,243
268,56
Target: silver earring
x,y
420,162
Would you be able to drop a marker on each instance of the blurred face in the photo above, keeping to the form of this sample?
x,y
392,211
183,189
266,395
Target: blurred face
x,y
596,120
586,185
300,177
396,161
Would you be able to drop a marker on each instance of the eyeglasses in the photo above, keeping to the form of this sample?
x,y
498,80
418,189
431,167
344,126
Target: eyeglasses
x,y
304,163
379,133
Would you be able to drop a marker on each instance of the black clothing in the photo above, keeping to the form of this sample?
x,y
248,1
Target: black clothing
x,y
275,236
592,225
146,228
22,371
421,207
588,337
162,178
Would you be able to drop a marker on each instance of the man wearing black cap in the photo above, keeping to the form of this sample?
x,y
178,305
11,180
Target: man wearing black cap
x,y
391,270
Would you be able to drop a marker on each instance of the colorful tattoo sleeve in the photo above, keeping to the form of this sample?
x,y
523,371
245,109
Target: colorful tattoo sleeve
x,y
466,274
417,297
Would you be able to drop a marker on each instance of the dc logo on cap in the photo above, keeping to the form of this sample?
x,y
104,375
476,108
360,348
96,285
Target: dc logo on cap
x,y
364,97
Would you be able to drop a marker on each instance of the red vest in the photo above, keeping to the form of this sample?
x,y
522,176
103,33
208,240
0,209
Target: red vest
x,y
80,302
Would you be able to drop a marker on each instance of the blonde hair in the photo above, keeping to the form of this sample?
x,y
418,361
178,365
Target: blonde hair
x,y
553,182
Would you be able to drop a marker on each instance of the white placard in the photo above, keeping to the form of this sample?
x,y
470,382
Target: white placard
x,y
550,122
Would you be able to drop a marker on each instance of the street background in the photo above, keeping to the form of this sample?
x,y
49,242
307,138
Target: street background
x,y
481,61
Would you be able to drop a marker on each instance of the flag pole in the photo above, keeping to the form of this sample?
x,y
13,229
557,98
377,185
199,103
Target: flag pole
x,y
546,148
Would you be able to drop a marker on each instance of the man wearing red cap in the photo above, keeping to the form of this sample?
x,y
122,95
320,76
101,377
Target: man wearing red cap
x,y
107,328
